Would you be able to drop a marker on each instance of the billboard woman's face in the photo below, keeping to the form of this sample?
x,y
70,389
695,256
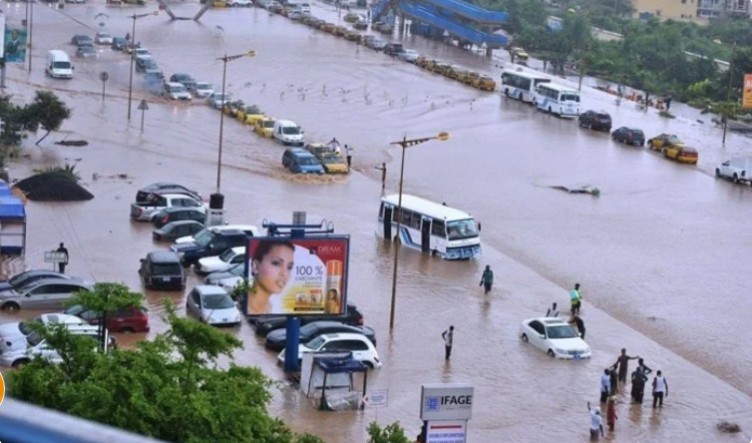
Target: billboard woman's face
x,y
272,272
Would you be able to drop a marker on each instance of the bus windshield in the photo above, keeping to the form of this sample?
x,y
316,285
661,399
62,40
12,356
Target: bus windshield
x,y
457,230
569,97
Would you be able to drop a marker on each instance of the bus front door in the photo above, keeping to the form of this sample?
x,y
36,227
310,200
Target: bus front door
x,y
387,222
425,235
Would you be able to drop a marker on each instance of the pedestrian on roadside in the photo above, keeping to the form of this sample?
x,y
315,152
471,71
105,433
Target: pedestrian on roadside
x,y
605,385
575,299
611,413
669,98
552,311
577,321
660,388
348,155
596,423
486,280
382,168
623,363
448,337
62,264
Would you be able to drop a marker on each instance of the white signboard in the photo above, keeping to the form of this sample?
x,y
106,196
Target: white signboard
x,y
377,398
446,401
447,431
54,257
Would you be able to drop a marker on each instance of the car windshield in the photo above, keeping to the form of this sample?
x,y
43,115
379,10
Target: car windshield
x,y
563,331
34,339
204,240
268,123
638,133
201,235
26,327
74,310
165,268
177,88
291,130
673,139
18,279
227,255
218,301
204,86
237,270
603,116
316,343
307,161
460,229
221,97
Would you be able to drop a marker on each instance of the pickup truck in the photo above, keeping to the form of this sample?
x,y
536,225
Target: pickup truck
x,y
145,210
208,245
264,325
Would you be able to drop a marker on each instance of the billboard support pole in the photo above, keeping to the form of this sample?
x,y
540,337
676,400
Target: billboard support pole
x,y
293,323
2,74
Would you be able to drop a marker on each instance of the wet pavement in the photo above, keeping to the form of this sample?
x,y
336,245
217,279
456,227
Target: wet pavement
x,y
661,254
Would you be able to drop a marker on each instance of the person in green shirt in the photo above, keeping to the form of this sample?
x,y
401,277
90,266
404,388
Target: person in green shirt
x,y
486,279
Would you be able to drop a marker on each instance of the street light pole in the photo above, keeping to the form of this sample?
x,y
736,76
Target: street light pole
x,y
134,17
728,92
225,59
404,143
31,32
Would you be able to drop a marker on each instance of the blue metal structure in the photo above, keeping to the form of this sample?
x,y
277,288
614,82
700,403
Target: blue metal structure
x,y
465,21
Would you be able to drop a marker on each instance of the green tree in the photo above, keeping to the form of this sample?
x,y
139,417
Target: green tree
x,y
169,388
392,433
47,111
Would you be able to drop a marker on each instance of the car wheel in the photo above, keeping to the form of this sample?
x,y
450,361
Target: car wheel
x,y
717,173
10,306
551,353
523,337
128,330
19,363
369,364
736,178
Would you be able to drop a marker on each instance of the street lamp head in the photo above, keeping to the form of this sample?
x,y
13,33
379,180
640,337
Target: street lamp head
x,y
443,136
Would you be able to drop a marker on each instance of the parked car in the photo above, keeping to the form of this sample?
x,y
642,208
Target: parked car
x,y
353,36
374,43
146,63
221,262
176,213
184,79
555,337
49,293
103,38
162,270
217,100
154,81
249,114
300,161
264,127
202,90
736,169
82,39
129,320
118,43
165,188
26,327
360,25
263,325
596,120
664,140
145,210
408,55
332,162
29,277
519,55
682,154
630,136
212,305
394,49
239,3
358,345
352,17
227,279
296,15
34,345
276,340
288,132
177,229
231,108
248,230
86,51
485,83
175,91
215,243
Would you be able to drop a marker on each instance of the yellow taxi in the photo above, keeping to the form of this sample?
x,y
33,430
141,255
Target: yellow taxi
x,y
353,36
485,83
455,72
519,55
340,31
441,67
682,154
469,77
246,111
328,27
332,162
664,141
422,61
264,127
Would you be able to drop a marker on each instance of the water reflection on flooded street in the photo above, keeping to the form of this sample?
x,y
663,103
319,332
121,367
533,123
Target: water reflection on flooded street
x,y
661,254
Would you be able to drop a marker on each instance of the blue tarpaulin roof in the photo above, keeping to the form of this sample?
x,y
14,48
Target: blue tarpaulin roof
x,y
338,365
11,207
5,189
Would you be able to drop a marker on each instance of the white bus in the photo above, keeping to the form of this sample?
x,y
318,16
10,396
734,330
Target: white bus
x,y
557,99
521,85
430,227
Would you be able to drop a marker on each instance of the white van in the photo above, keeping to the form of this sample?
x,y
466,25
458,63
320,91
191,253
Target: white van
x,y
737,169
288,132
294,5
58,64
305,8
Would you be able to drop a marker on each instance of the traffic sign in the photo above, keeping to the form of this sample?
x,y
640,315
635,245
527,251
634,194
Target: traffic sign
x,y
104,76
377,398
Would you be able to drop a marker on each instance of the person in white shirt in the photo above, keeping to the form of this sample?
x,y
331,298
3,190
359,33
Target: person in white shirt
x,y
552,311
348,155
605,385
660,387
596,423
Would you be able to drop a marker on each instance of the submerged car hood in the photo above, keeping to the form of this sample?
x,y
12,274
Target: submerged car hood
x,y
570,344
227,315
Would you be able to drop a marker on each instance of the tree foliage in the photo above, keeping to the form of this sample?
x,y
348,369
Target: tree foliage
x,y
392,433
48,111
169,388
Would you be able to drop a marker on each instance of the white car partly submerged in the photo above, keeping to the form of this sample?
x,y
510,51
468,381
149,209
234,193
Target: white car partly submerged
x,y
222,262
555,337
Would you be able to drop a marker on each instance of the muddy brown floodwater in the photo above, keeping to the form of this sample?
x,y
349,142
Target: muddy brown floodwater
x,y
662,254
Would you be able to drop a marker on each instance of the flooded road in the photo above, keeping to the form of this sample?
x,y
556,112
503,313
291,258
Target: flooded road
x,y
661,255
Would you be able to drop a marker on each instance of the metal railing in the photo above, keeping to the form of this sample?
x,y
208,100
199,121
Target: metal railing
x,y
25,423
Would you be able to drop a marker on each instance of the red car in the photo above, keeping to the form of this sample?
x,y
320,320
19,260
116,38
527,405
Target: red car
x,y
129,320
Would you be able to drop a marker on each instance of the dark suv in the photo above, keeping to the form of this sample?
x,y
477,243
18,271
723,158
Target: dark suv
x,y
599,121
352,317
393,49
177,213
162,269
214,244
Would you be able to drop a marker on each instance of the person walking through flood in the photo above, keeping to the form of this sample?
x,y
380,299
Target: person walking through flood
x,y
448,337
638,385
605,385
660,388
575,299
623,363
611,413
486,280
553,311
596,423
348,155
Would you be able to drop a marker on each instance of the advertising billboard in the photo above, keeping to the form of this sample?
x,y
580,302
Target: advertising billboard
x,y
747,91
14,46
297,276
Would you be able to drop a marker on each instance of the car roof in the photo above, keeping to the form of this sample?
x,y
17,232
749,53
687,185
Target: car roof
x,y
182,222
300,152
179,208
548,321
238,250
286,123
174,84
59,317
54,281
163,257
344,336
209,290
